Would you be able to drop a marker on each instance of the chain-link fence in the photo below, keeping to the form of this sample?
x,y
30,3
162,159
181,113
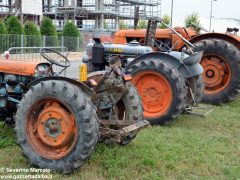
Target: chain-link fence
x,y
73,44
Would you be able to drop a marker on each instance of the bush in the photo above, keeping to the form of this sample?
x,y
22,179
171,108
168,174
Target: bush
x,y
193,21
48,29
166,19
14,26
142,24
122,25
33,37
3,28
15,29
3,36
71,34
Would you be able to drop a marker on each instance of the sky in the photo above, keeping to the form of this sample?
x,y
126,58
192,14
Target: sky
x,y
182,8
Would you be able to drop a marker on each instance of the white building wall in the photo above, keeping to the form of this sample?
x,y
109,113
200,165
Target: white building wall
x,y
33,7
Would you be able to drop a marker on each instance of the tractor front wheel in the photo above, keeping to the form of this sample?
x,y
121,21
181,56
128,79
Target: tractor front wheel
x,y
56,126
162,89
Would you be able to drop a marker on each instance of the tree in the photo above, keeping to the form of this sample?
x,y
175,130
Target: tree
x,y
3,36
166,19
122,25
193,21
33,37
14,26
142,24
70,30
71,36
3,28
48,29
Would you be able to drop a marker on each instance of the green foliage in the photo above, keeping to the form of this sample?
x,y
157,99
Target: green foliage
x,y
71,36
166,19
14,26
7,136
142,24
31,29
47,28
3,36
33,37
3,28
70,30
15,30
122,25
193,19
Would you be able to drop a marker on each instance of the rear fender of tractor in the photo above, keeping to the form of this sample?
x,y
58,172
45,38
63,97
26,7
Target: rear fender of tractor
x,y
82,86
187,71
232,39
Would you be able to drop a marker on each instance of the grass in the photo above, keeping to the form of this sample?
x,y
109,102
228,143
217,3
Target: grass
x,y
189,148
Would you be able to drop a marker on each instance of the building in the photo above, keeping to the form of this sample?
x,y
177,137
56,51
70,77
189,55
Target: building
x,y
25,9
90,15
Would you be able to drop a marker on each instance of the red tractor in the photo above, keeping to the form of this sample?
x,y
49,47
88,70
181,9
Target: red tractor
x,y
59,120
220,61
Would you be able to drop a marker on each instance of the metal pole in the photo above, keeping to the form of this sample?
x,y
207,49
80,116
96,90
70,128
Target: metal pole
x,y
210,25
172,14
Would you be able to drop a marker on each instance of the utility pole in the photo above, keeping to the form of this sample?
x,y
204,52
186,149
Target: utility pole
x,y
172,14
211,16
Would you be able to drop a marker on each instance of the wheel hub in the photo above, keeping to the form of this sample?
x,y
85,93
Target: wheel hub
x,y
51,128
217,73
55,126
155,91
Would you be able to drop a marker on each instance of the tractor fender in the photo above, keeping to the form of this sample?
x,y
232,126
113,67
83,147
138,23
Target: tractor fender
x,y
231,38
187,71
77,83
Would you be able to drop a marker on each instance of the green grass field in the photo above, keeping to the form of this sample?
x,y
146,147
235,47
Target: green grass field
x,y
189,148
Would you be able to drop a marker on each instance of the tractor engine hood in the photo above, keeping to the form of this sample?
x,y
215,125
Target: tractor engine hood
x,y
18,67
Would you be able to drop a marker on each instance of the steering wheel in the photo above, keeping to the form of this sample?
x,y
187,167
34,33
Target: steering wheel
x,y
65,62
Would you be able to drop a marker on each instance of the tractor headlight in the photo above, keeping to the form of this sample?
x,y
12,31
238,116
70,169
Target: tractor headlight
x,y
42,70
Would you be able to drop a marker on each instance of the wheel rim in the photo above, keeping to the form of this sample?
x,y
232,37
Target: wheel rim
x,y
217,73
51,128
155,91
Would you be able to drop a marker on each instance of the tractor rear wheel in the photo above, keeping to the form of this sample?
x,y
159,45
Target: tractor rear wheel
x,y
56,126
221,64
162,89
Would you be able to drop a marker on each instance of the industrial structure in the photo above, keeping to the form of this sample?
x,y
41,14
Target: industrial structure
x,y
100,15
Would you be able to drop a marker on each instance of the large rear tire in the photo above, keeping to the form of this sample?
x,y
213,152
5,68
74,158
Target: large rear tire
x,y
56,126
162,89
221,64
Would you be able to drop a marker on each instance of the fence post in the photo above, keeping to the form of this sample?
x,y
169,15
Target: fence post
x,y
62,41
78,48
22,43
44,41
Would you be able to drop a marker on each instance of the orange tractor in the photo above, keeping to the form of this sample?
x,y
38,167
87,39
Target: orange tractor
x,y
220,61
59,120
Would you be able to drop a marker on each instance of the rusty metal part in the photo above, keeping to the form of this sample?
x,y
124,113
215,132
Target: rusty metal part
x,y
118,135
217,73
51,128
200,111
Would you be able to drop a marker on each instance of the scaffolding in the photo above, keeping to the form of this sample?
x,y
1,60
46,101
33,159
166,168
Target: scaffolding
x,y
99,15
88,15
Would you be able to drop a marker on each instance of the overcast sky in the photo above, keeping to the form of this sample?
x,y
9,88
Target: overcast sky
x,y
182,8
